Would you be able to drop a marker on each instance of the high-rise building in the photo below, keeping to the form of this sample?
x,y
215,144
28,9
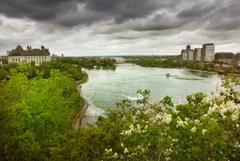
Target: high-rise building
x,y
197,54
189,53
184,55
208,52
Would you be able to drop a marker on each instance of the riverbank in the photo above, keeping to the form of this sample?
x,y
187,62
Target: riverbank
x,y
81,114
175,62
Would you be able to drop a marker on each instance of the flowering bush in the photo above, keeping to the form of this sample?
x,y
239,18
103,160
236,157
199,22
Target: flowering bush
x,y
204,128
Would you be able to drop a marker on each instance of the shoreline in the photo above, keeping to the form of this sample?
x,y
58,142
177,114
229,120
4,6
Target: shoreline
x,y
87,117
81,114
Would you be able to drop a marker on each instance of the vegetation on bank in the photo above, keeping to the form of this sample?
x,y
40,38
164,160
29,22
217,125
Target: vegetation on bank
x,y
44,69
155,61
91,62
39,104
175,62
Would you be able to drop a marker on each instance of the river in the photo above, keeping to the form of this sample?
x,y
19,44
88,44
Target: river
x,y
106,87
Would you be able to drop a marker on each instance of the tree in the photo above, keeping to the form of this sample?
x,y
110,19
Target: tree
x,y
3,74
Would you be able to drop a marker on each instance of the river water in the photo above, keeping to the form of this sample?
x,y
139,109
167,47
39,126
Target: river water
x,y
106,87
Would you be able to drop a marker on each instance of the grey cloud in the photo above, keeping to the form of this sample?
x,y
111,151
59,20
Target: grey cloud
x,y
124,20
53,10
196,11
226,18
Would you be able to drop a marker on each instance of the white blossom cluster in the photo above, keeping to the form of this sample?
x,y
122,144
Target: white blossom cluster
x,y
161,121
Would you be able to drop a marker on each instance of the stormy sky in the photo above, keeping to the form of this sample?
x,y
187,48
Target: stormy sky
x,y
119,27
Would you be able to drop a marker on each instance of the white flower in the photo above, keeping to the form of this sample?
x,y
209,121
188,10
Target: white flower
x,y
204,131
167,118
205,100
234,117
180,123
108,150
115,155
122,145
126,150
194,129
197,122
158,116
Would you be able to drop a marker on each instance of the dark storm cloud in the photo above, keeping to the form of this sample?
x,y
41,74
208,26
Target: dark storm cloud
x,y
69,13
133,22
196,11
49,10
123,10
39,10
226,18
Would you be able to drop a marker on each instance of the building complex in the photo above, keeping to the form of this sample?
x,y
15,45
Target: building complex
x,y
38,56
207,54
204,54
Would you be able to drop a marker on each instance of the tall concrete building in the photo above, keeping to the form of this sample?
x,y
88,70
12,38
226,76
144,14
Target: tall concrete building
x,y
208,52
197,54
189,53
38,56
184,55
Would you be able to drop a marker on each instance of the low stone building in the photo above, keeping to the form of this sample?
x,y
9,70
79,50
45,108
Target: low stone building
x,y
224,57
1,61
38,56
237,60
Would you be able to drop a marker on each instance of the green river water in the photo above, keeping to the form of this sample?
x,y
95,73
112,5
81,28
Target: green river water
x,y
106,87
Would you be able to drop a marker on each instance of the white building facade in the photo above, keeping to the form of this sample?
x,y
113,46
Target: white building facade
x,y
29,59
38,56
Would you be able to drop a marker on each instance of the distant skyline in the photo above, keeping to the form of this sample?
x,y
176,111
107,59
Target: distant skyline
x,y
119,27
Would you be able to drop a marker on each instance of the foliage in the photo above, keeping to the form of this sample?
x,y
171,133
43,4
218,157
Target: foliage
x,y
175,62
36,115
32,71
66,68
3,74
92,62
155,61
204,128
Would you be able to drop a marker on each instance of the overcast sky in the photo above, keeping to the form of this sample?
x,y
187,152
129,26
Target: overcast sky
x,y
119,27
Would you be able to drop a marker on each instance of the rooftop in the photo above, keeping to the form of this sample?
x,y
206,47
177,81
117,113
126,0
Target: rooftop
x,y
19,51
